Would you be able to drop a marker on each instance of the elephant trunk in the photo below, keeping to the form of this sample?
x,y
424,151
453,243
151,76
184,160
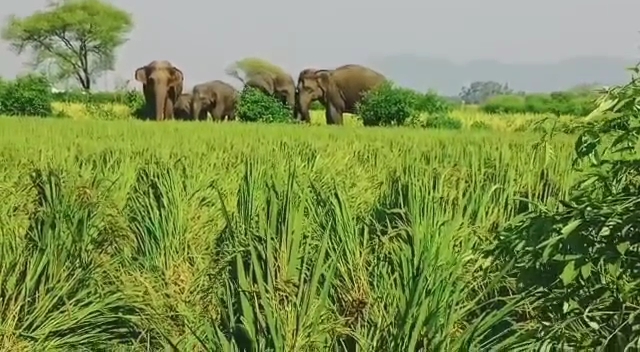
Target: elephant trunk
x,y
302,108
196,107
291,100
161,97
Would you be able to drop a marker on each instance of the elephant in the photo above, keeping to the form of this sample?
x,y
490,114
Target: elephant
x,y
280,86
162,84
182,107
216,97
339,90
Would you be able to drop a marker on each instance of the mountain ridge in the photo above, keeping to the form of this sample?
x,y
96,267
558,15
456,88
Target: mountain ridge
x,y
448,77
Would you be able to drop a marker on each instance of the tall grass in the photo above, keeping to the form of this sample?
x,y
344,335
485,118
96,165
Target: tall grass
x,y
231,237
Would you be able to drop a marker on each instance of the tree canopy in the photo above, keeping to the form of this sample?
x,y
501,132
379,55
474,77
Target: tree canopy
x,y
71,39
478,92
244,69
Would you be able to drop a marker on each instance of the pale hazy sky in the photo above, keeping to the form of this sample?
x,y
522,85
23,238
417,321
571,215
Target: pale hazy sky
x,y
202,37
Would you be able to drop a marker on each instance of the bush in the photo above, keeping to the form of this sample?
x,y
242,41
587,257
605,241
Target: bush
x,y
442,121
388,105
432,103
256,106
504,104
557,103
480,125
316,105
82,97
28,95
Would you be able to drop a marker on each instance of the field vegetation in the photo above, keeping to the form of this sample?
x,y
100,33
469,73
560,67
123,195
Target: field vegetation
x,y
130,235
506,224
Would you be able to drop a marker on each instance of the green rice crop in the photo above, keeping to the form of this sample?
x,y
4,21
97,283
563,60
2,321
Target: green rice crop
x,y
132,235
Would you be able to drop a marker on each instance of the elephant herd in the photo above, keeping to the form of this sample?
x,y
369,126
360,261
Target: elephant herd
x,y
338,90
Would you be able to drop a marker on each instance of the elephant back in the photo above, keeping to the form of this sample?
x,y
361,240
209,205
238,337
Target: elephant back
x,y
353,80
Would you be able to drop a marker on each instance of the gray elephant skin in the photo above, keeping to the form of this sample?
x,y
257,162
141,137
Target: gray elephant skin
x,y
182,107
162,84
338,90
218,98
281,86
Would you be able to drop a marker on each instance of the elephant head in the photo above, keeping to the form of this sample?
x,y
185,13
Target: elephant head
x,y
162,85
280,86
182,107
313,84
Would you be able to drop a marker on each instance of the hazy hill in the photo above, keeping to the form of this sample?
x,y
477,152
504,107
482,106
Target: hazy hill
x,y
448,77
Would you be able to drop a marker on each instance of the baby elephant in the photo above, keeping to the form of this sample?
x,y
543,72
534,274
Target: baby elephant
x,y
215,97
182,107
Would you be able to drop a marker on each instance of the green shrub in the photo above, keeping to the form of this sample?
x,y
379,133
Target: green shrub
x,y
316,105
255,106
82,97
388,105
432,103
557,103
442,121
504,104
480,125
135,102
28,95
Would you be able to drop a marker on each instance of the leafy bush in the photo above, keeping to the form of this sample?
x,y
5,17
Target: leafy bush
x,y
316,105
134,100
504,104
256,106
442,121
388,105
82,97
28,95
480,125
580,260
557,103
432,103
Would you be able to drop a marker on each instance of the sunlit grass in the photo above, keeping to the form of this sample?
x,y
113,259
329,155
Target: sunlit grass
x,y
202,236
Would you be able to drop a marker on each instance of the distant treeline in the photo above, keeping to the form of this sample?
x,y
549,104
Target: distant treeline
x,y
558,103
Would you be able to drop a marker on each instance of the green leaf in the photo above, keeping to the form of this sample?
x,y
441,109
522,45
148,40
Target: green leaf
x,y
585,270
622,247
567,230
569,273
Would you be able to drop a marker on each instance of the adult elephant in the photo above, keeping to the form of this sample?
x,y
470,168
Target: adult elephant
x,y
339,90
182,107
215,97
279,85
162,85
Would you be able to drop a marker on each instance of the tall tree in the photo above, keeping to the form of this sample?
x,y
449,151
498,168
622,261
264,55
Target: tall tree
x,y
71,39
479,91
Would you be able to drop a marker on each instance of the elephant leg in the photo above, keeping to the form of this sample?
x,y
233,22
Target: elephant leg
x,y
333,116
231,116
217,112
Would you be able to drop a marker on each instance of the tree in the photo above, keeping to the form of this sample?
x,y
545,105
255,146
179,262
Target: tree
x,y
71,39
479,91
244,69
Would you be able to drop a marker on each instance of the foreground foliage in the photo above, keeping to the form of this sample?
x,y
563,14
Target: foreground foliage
x,y
231,236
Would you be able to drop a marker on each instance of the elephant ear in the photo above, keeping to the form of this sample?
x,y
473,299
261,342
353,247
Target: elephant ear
x,y
324,79
141,75
176,77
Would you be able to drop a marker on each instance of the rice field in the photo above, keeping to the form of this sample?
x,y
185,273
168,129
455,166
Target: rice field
x,y
138,236
469,116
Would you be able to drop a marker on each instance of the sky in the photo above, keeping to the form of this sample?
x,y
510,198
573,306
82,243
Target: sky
x,y
202,37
